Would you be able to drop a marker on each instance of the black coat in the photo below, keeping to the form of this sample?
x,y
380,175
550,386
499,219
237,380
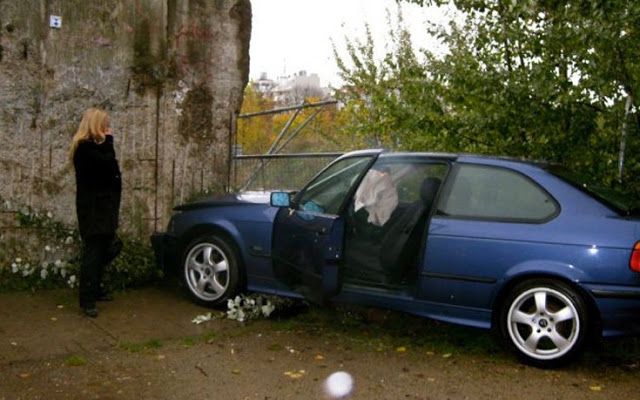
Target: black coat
x,y
98,187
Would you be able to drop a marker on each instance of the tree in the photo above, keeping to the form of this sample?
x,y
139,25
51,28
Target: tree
x,y
540,79
315,129
255,135
381,97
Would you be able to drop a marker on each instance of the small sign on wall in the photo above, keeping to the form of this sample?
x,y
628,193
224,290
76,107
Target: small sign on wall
x,y
55,21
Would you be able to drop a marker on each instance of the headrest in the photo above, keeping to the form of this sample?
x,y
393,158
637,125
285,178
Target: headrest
x,y
429,189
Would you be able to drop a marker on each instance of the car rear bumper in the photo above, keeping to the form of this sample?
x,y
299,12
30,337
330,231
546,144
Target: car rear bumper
x,y
619,308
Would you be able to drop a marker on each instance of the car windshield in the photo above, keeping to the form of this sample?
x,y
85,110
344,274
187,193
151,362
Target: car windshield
x,y
327,192
621,202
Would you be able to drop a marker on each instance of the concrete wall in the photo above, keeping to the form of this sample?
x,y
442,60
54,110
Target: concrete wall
x,y
171,72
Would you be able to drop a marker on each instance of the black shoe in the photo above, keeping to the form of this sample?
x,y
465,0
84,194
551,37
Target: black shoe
x,y
91,312
105,297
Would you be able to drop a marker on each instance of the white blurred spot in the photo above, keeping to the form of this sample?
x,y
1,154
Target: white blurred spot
x,y
338,385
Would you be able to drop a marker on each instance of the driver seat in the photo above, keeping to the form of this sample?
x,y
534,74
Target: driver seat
x,y
402,241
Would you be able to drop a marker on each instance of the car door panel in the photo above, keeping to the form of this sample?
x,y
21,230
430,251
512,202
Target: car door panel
x,y
307,252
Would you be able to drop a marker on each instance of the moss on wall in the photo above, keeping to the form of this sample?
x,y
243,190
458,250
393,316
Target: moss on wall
x,y
196,120
149,66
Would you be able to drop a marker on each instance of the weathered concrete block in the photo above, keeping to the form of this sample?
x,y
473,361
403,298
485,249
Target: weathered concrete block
x,y
171,72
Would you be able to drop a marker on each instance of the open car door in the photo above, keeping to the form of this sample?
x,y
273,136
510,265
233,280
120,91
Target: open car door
x,y
308,232
308,253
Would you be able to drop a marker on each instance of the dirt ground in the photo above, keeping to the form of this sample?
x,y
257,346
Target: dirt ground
x,y
144,345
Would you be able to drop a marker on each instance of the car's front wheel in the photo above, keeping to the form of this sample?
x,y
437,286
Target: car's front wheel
x,y
210,270
545,321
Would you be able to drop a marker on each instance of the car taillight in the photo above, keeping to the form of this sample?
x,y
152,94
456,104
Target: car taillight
x,y
634,262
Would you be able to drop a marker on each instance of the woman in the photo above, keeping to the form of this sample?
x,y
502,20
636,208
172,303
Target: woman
x,y
98,191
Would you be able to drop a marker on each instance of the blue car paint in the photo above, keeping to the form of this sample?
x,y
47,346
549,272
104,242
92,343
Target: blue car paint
x,y
586,244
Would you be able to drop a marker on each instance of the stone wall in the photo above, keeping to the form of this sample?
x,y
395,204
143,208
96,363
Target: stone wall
x,y
171,72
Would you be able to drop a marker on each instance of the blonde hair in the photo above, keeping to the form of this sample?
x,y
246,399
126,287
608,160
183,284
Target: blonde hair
x,y
93,126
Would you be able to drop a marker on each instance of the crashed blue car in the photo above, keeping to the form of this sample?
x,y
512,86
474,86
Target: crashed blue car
x,y
528,249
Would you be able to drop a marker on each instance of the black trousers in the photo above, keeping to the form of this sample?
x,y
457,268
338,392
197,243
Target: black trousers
x,y
95,257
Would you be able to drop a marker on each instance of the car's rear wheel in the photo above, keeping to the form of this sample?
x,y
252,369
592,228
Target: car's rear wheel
x,y
210,270
545,321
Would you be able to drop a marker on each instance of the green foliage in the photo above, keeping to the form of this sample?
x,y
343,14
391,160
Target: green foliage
x,y
41,254
134,266
536,79
45,254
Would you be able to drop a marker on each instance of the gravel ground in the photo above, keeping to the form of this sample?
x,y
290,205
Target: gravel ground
x,y
144,345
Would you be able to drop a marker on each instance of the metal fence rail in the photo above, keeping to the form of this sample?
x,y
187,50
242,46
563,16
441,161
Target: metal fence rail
x,y
268,172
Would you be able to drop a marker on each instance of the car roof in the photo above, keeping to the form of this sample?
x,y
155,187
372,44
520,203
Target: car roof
x,y
459,157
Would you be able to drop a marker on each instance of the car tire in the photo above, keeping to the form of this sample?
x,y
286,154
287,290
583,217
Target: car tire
x,y
210,271
545,321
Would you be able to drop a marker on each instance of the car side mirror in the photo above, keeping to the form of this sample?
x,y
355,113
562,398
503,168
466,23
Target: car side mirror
x,y
280,199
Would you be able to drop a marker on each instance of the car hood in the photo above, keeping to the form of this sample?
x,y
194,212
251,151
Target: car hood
x,y
232,199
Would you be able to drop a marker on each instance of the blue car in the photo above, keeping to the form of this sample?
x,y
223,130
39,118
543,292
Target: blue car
x,y
525,248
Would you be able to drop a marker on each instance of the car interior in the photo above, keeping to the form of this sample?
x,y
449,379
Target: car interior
x,y
387,255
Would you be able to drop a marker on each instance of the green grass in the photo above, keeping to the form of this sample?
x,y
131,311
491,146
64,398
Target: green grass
x,y
76,361
147,347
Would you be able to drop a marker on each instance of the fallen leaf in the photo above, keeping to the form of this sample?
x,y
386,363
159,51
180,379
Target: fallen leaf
x,y
595,388
235,371
319,357
54,319
430,353
25,375
401,349
295,374
447,355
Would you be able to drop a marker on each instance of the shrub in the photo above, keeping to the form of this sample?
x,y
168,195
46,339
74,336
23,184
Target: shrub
x,y
43,253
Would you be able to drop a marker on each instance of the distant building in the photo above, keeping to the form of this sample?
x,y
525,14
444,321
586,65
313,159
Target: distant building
x,y
264,84
292,89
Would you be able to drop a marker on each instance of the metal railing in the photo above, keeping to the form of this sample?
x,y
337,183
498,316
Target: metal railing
x,y
273,170
267,172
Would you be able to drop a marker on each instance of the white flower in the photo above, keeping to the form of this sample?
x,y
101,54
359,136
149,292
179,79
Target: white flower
x,y
43,274
63,272
69,240
267,309
58,263
18,260
14,268
49,215
201,318
47,248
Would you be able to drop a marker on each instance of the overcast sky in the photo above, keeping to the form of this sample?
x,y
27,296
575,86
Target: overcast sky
x,y
293,35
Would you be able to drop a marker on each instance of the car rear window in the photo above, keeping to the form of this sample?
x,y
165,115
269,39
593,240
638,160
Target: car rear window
x,y
499,194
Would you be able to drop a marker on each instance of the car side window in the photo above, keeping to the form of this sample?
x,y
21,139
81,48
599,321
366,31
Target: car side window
x,y
326,193
486,192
